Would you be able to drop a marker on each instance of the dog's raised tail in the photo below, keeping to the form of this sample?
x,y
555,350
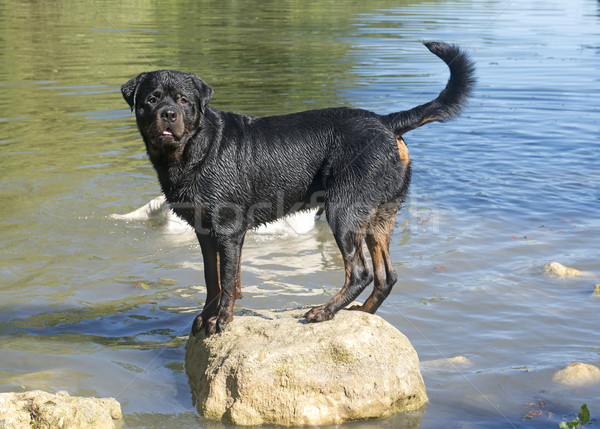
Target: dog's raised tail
x,y
451,100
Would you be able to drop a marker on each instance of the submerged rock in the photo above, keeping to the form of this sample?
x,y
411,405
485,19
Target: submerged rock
x,y
456,362
559,270
43,410
577,374
271,367
562,271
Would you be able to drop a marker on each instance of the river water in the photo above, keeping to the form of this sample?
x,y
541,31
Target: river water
x,y
101,307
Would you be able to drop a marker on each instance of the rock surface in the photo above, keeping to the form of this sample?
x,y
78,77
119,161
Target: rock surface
x,y
43,410
577,374
271,367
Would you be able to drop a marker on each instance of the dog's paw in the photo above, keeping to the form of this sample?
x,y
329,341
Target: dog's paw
x,y
319,314
210,326
367,307
217,324
198,324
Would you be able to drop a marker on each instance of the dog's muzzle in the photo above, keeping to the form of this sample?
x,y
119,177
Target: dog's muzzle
x,y
169,123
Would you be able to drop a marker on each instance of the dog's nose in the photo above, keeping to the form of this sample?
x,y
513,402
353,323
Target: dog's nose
x,y
169,114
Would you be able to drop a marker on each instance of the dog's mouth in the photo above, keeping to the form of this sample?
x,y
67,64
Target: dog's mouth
x,y
169,135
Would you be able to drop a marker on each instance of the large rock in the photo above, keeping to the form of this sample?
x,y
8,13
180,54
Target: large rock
x,y
271,367
43,410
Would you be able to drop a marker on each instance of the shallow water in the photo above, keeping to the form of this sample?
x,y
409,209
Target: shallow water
x,y
101,307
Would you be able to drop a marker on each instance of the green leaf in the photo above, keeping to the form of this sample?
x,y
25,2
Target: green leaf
x,y
584,414
564,425
144,285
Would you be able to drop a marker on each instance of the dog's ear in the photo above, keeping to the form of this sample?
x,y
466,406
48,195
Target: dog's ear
x,y
129,89
205,92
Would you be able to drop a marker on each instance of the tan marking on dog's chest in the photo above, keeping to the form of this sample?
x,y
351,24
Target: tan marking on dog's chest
x,y
402,150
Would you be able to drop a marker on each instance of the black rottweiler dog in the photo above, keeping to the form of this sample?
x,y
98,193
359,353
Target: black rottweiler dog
x,y
225,173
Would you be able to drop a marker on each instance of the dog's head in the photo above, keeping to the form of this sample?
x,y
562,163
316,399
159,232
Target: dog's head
x,y
168,106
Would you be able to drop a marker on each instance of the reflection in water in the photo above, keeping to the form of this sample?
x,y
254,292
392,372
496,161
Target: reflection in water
x,y
99,306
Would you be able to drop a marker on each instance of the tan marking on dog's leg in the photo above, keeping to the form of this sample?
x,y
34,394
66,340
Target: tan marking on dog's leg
x,y
378,242
238,286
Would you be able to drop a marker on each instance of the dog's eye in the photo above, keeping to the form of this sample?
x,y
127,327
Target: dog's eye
x,y
183,100
151,99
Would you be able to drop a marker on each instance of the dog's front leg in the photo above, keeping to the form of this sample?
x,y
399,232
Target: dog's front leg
x,y
210,254
230,252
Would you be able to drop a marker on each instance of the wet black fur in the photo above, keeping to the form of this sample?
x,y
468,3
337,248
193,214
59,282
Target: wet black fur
x,y
227,172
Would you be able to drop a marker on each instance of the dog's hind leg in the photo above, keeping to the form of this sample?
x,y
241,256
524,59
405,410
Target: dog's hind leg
x,y
378,242
358,275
